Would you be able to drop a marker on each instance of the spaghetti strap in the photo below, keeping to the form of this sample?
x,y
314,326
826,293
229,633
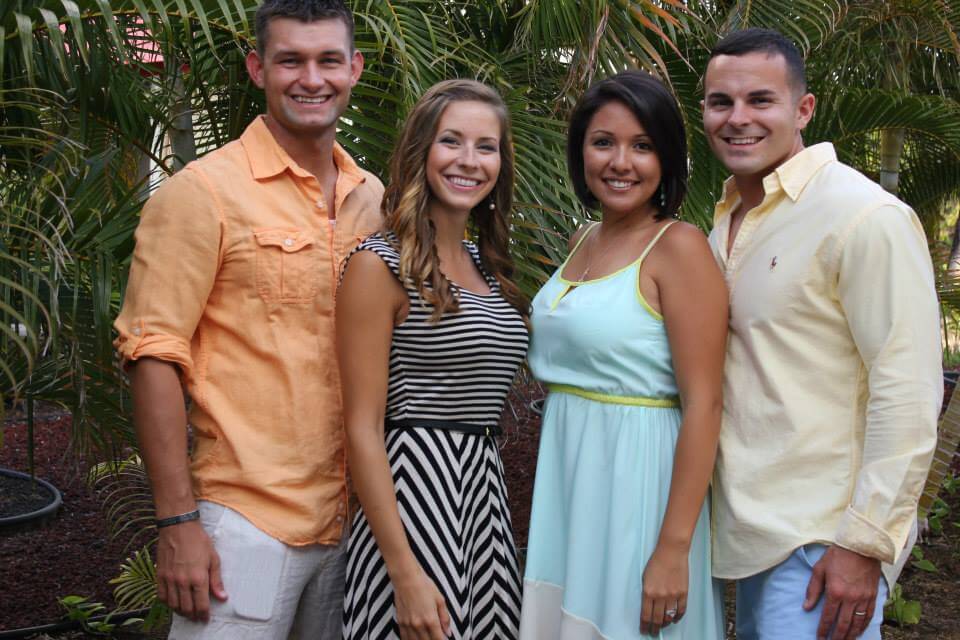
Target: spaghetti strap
x,y
583,236
655,238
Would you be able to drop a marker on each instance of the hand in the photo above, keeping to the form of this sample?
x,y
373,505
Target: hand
x,y
665,583
851,582
421,609
188,570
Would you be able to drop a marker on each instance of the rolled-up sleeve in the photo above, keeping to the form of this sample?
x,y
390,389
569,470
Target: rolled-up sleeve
x,y
173,270
887,292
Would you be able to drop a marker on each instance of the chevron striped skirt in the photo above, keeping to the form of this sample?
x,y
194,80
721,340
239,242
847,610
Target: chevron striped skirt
x,y
453,504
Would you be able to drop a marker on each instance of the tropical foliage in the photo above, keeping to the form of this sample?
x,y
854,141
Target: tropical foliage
x,y
100,99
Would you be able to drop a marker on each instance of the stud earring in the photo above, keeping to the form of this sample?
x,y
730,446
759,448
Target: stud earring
x,y
492,205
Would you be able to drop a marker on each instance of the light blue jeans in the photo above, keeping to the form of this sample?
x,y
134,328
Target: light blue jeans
x,y
770,603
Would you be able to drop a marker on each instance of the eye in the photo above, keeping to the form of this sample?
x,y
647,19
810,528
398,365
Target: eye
x,y
288,62
488,147
601,142
330,62
643,145
449,140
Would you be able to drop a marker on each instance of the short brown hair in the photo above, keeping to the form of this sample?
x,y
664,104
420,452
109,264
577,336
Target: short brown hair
x,y
302,10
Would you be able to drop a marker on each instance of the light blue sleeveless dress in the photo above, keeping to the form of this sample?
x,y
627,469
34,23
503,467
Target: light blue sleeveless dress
x,y
610,428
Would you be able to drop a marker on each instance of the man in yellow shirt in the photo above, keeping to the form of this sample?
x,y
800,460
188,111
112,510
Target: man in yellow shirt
x,y
231,293
833,374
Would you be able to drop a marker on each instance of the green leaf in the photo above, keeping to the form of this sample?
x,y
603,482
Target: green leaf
x,y
925,565
25,34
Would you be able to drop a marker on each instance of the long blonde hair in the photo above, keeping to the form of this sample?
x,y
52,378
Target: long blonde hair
x,y
406,201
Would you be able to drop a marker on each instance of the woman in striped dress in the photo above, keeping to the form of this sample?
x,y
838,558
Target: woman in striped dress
x,y
431,332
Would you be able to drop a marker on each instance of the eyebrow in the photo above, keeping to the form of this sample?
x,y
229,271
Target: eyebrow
x,y
604,132
294,52
460,134
759,93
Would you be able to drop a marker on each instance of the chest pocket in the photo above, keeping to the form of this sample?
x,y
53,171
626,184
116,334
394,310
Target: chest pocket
x,y
287,269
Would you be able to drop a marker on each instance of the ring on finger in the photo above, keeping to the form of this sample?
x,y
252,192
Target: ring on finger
x,y
860,613
670,613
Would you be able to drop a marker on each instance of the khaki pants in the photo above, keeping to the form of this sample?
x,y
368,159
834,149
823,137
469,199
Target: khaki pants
x,y
274,591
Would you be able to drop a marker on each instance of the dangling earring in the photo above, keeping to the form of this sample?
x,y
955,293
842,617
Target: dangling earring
x,y
663,196
492,205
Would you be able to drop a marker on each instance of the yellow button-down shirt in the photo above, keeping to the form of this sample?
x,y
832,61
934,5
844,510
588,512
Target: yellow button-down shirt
x,y
233,280
833,378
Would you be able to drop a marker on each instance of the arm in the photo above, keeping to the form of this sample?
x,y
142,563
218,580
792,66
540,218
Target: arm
x,y
368,303
173,270
885,287
186,560
694,301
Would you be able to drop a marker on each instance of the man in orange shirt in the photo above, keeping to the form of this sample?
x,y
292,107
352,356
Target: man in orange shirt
x,y
231,293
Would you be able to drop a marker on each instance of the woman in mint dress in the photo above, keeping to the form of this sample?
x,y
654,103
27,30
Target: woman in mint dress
x,y
628,336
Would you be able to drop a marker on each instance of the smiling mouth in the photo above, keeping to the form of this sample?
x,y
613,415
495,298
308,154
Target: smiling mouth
x,y
309,100
617,184
743,140
464,183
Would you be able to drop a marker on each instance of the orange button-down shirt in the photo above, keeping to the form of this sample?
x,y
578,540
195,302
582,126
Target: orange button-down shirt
x,y
233,280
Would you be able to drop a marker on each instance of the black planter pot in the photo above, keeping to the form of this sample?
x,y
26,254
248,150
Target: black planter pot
x,y
36,516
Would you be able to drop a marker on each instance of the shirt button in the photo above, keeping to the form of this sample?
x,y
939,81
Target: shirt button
x,y
136,331
288,242
339,518
321,204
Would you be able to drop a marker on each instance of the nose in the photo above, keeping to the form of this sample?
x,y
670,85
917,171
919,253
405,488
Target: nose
x,y
619,161
740,114
311,77
468,156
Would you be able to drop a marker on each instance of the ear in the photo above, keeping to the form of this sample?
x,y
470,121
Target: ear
x,y
255,68
356,67
805,109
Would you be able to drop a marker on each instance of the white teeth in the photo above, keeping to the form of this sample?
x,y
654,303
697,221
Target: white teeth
x,y
618,184
306,100
463,182
752,140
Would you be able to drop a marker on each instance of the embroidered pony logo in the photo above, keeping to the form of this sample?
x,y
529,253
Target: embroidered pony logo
x,y
773,263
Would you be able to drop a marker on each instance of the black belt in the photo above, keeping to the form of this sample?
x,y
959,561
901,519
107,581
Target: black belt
x,y
445,425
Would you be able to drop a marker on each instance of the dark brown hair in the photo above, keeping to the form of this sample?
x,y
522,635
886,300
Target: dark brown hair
x,y
302,10
656,109
407,198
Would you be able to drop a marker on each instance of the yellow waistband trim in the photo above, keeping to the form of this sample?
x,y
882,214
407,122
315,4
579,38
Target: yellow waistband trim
x,y
636,401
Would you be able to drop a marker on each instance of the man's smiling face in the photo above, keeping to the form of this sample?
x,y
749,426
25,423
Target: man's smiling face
x,y
307,71
752,113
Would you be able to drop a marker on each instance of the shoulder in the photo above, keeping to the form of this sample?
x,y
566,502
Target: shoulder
x,y
578,234
683,238
187,192
372,182
847,194
379,247
382,243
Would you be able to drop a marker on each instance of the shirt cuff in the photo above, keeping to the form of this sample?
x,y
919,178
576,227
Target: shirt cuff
x,y
136,343
856,533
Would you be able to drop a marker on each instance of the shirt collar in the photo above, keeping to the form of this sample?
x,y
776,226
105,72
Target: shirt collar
x,y
791,177
268,159
794,174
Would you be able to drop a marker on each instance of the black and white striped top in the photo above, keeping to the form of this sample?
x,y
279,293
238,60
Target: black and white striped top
x,y
461,368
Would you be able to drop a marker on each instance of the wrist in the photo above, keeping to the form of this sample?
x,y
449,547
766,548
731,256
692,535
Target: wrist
x,y
403,570
673,543
178,519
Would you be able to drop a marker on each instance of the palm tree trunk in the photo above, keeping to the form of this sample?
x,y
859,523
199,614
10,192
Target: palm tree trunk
x,y
891,148
182,143
953,264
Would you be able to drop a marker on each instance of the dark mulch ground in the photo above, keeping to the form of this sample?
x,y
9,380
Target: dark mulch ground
x,y
74,554
19,496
